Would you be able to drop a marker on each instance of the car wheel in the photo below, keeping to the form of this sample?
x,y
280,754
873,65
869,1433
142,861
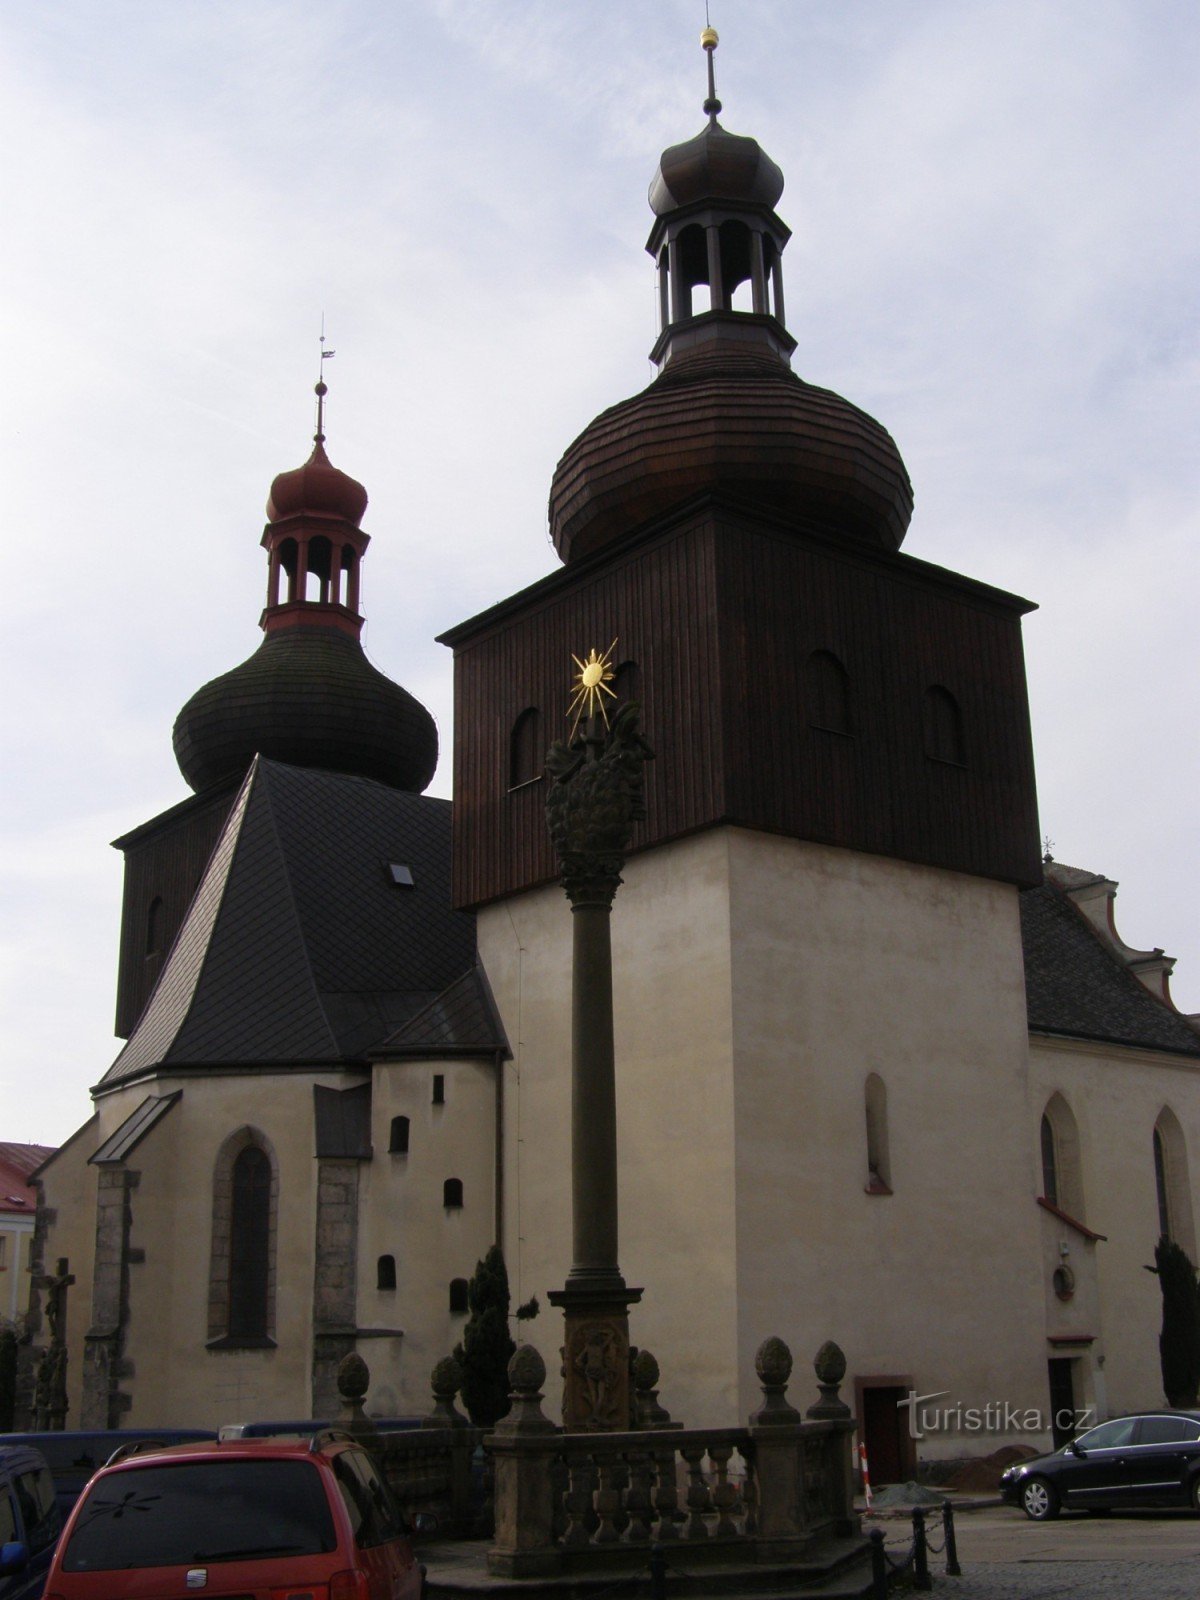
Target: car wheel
x,y
1039,1500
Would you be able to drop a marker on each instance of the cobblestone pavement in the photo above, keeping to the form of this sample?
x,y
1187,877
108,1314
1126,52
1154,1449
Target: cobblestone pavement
x,y
1133,1556
1074,1580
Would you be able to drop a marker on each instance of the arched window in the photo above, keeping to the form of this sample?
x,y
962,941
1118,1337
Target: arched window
x,y
735,266
879,1165
458,1295
525,749
241,1285
1062,1175
1172,1183
827,693
452,1192
385,1272
398,1143
154,926
943,726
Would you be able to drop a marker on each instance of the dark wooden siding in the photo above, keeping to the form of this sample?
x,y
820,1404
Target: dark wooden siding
x,y
721,615
163,862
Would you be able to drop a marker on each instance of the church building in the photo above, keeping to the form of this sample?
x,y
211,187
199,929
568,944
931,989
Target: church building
x,y
884,1074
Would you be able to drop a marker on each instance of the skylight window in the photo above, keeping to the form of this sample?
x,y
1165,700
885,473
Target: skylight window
x,y
402,875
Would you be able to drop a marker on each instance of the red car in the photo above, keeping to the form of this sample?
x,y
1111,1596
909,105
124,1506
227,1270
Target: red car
x,y
262,1519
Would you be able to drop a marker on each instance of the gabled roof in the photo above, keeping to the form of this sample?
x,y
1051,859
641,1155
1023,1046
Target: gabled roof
x,y
300,947
1078,986
461,1021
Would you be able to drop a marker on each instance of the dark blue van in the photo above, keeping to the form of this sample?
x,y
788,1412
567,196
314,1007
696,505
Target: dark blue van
x,y
29,1522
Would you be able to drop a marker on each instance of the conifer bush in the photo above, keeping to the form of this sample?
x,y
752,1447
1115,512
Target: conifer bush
x,y
1179,1341
487,1346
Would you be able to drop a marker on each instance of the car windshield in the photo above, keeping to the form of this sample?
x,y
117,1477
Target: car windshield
x,y
200,1511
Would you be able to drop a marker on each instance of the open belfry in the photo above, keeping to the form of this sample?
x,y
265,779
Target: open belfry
x,y
733,972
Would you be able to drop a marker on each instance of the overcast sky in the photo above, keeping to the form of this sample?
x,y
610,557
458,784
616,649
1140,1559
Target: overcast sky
x,y
995,252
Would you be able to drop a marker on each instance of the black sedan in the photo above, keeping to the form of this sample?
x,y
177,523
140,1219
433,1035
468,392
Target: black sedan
x,y
1147,1460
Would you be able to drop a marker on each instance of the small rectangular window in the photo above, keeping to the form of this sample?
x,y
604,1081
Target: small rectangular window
x,y
439,1089
401,875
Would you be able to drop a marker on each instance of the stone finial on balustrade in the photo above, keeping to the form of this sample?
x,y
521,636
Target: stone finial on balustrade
x,y
773,1363
830,1368
526,1374
647,1413
353,1381
445,1380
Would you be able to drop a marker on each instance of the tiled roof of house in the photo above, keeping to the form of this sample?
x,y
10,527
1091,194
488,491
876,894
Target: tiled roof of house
x,y
17,1161
461,1021
303,945
1076,985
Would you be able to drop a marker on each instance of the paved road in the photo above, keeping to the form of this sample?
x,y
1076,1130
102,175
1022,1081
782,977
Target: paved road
x,y
1127,1556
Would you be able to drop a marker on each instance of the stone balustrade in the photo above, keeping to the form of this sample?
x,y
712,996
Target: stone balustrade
x,y
771,1492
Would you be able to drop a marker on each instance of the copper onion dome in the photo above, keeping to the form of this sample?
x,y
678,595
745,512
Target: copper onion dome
x,y
726,417
308,695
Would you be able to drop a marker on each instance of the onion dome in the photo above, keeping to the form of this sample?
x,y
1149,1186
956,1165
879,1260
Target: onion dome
x,y
737,425
317,488
308,696
726,417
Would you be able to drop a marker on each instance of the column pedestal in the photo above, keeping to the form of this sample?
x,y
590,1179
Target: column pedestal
x,y
595,1352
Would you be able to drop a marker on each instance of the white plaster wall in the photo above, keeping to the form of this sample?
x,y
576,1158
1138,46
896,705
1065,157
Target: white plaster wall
x,y
671,983
402,1215
846,964
1116,1095
176,1380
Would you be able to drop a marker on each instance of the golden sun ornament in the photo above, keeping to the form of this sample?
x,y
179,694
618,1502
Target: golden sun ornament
x,y
591,685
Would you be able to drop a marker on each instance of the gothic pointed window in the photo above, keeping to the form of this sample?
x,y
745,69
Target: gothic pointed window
x,y
241,1292
1062,1170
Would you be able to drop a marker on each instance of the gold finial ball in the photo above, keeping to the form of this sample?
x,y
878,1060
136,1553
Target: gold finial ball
x,y
709,39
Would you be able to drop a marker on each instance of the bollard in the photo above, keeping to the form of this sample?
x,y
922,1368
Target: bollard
x,y
658,1572
879,1575
921,1578
953,1570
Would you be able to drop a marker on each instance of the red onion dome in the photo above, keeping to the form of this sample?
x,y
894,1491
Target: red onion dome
x,y
319,488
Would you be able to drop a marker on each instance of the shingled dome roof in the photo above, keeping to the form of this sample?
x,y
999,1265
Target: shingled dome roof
x,y
741,425
308,696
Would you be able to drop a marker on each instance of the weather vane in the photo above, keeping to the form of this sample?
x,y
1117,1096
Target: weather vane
x,y
591,684
322,388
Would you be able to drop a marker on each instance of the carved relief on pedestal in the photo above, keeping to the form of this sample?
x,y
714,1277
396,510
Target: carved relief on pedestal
x,y
596,1374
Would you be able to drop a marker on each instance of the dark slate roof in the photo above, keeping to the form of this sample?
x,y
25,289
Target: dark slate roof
x,y
299,947
461,1021
1075,985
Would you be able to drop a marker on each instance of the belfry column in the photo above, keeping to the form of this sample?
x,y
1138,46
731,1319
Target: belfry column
x,y
595,798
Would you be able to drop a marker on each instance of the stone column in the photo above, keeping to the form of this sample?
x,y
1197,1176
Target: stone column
x,y
594,800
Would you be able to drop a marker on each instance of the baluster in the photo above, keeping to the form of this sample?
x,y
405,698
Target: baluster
x,y
577,1502
666,1494
637,1496
698,1498
607,1500
724,1493
749,1492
